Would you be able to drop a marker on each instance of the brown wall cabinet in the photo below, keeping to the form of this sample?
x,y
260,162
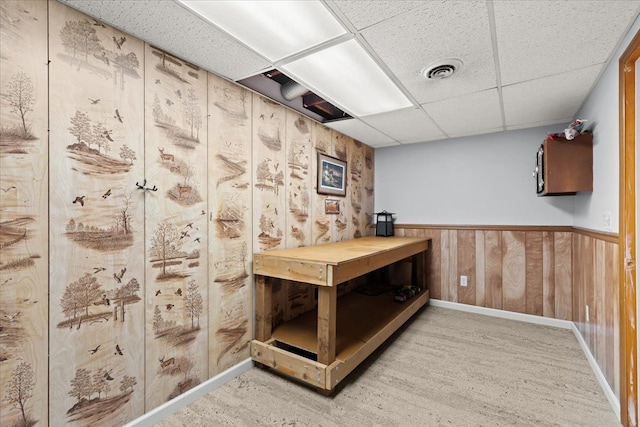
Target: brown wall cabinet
x,y
564,167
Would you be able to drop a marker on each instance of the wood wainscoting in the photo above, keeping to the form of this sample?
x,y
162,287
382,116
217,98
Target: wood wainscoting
x,y
550,271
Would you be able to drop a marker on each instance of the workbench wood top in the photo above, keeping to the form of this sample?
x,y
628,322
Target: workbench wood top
x,y
343,251
333,263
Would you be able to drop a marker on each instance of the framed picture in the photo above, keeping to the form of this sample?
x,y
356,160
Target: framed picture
x,y
331,206
332,175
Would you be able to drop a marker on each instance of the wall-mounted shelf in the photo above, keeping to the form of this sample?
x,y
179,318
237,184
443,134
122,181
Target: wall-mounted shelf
x,y
564,167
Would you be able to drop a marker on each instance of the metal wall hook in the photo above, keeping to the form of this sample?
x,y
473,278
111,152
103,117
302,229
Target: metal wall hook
x,y
144,186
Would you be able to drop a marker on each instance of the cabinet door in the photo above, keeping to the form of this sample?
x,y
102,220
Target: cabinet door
x,y
568,166
538,173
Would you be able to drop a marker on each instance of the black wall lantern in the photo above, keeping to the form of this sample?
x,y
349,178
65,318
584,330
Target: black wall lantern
x,y
384,224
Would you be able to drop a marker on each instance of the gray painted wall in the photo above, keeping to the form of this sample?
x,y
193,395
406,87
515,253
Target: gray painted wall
x,y
602,111
485,179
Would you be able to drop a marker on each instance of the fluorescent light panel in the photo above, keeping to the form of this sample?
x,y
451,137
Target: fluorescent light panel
x,y
274,29
347,76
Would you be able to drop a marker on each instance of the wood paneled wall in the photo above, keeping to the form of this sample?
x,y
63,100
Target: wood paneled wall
x,y
525,270
122,298
545,271
24,228
595,285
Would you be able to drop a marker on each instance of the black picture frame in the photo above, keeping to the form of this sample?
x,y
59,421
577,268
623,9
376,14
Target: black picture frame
x,y
332,176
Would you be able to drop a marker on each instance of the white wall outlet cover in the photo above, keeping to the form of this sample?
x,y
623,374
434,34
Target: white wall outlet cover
x,y
606,219
463,280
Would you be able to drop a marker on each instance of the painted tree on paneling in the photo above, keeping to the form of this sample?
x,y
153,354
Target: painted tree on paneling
x,y
342,221
270,159
19,390
298,179
20,95
177,267
165,245
230,167
97,225
321,222
24,211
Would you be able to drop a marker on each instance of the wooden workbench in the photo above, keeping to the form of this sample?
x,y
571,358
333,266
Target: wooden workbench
x,y
322,346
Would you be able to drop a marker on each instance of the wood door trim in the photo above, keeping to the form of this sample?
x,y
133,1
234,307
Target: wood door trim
x,y
627,235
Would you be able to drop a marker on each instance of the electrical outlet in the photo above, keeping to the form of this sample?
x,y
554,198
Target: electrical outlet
x,y
587,312
463,280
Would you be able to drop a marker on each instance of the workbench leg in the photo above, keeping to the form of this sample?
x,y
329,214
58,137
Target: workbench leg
x,y
327,300
263,308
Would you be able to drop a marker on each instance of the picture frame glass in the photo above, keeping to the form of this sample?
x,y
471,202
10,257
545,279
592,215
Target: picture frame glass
x,y
331,206
332,175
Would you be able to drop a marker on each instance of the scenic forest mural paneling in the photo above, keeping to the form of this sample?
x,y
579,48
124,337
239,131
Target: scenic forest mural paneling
x,y
97,221
135,188
23,213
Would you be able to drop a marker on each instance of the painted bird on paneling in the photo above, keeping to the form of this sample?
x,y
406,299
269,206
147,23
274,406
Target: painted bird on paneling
x,y
94,101
119,42
98,269
107,194
118,116
118,277
119,350
4,190
79,199
107,375
95,350
170,306
11,317
158,292
98,23
107,134
179,292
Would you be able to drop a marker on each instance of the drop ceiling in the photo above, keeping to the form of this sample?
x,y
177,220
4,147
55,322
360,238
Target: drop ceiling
x,y
525,63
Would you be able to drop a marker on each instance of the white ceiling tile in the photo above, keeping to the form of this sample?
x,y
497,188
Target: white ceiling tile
x,y
419,140
542,38
411,124
537,43
173,28
546,99
363,13
476,112
391,144
443,30
559,121
361,132
477,132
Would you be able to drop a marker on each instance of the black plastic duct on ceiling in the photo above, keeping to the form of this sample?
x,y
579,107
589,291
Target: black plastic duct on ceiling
x,y
291,93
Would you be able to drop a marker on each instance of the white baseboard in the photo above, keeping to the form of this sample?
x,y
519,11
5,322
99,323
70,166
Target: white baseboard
x,y
529,318
174,405
539,320
608,392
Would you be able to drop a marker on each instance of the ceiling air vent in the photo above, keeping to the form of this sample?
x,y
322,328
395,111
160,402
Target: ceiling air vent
x,y
442,69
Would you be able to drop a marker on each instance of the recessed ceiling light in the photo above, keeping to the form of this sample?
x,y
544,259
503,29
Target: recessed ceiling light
x,y
441,69
274,29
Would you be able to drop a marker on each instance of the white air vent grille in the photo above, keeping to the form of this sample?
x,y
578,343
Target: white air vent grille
x,y
442,69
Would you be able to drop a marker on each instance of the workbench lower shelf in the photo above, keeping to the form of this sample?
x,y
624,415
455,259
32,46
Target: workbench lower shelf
x,y
363,323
